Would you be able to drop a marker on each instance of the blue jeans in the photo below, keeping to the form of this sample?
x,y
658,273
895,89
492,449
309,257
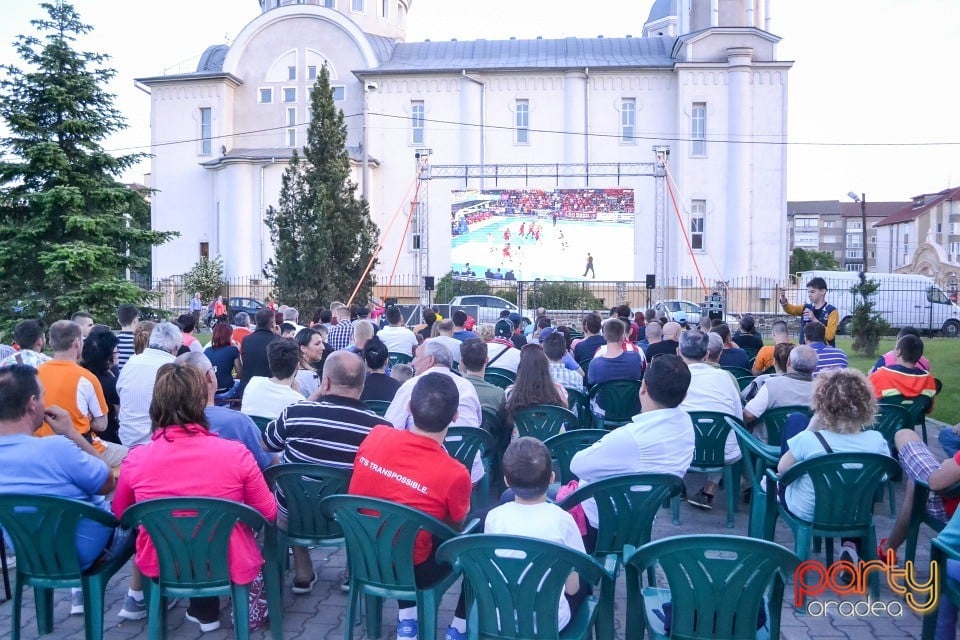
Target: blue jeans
x,y
950,441
229,394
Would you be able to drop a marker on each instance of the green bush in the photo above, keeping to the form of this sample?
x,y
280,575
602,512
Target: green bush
x,y
562,295
449,287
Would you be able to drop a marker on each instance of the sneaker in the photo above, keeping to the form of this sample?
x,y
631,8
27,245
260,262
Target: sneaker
x,y
76,603
304,587
453,634
345,583
133,609
11,561
205,627
407,630
702,500
849,554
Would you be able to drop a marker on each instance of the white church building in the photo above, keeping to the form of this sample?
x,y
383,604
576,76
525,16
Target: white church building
x,y
701,78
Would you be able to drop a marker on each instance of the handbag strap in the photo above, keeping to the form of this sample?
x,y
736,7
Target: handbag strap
x,y
823,441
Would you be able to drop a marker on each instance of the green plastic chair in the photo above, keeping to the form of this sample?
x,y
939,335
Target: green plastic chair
x,y
503,372
775,419
710,431
465,444
579,403
43,530
757,458
395,357
716,586
497,379
261,422
751,352
626,508
619,400
919,515
564,446
917,407
945,546
303,486
744,376
4,568
845,485
890,419
514,583
542,421
380,537
585,367
191,536
379,407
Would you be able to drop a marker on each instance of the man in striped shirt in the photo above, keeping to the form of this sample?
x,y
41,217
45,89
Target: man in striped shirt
x,y
128,315
828,357
325,429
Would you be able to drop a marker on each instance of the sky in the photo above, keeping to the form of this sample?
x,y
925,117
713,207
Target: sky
x,y
873,96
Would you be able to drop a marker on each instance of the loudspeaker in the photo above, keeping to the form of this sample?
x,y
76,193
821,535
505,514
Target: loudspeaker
x,y
428,283
651,281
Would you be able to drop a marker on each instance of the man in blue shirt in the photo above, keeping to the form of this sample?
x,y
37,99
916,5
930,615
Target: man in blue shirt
x,y
828,357
592,340
460,333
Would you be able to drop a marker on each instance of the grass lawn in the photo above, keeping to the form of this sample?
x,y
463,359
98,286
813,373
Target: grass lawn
x,y
941,352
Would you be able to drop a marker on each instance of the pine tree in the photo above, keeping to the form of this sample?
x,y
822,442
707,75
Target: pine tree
x,y
867,326
322,234
68,229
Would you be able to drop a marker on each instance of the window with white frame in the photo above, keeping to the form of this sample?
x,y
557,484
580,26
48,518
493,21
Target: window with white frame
x,y
312,72
417,113
698,212
292,127
357,5
291,73
628,120
698,129
289,94
206,131
854,254
385,8
339,93
855,266
955,228
805,222
523,121
854,223
955,249
830,224
854,240
266,96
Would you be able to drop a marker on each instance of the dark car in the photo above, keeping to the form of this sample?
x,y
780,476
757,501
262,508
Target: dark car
x,y
249,305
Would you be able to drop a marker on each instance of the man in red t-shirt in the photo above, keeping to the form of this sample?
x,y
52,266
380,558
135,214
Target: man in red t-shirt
x,y
412,468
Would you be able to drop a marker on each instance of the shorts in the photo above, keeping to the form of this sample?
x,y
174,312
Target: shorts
x,y
918,463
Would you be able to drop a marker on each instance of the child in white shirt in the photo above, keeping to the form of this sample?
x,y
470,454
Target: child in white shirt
x,y
528,470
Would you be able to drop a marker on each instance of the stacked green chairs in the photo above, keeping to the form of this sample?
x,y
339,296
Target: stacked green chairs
x,y
710,436
757,458
380,537
579,403
514,584
916,406
191,537
619,400
395,357
303,486
946,546
919,515
379,407
718,587
44,531
564,446
542,421
466,444
626,507
845,486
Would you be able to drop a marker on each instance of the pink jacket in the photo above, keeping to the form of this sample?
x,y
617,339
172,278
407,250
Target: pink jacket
x,y
189,461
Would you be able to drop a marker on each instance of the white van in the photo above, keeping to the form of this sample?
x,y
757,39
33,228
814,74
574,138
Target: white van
x,y
902,299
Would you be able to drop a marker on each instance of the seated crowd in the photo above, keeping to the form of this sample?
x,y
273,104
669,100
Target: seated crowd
x,y
128,407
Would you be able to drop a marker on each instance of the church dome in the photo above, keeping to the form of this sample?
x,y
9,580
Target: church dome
x,y
662,9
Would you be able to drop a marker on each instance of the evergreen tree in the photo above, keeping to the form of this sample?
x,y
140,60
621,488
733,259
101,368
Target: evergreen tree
x,y
866,325
68,229
322,235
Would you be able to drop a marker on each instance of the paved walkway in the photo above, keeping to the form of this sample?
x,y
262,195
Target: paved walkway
x,y
321,615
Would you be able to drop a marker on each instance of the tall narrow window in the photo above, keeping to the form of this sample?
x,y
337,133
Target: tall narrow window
x,y
356,5
385,8
523,122
416,121
312,72
628,120
291,127
698,211
698,129
206,131
205,250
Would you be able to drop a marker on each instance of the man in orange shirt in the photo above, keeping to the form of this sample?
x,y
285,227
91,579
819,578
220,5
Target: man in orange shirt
x,y
904,377
764,360
78,392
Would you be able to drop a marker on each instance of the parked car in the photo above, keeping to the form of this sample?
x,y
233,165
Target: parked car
x,y
488,307
235,306
677,310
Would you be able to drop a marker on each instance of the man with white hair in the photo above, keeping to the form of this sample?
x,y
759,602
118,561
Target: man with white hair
x,y
711,389
714,349
135,384
434,357
794,388
292,315
669,343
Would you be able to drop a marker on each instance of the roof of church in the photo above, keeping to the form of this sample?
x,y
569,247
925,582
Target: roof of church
x,y
212,59
662,9
566,53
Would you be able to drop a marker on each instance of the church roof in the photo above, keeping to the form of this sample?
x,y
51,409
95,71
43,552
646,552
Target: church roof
x,y
212,59
662,9
566,53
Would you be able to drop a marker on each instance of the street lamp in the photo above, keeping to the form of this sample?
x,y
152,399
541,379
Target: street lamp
x,y
862,199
